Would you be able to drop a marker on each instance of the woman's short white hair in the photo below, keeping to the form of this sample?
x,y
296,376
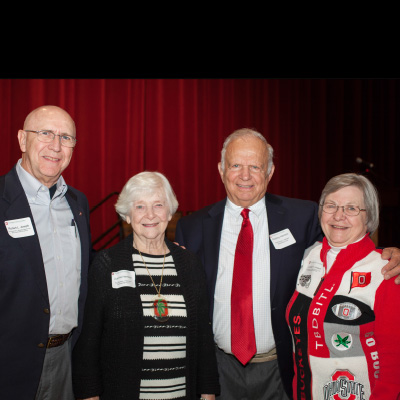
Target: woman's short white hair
x,y
243,133
370,195
142,185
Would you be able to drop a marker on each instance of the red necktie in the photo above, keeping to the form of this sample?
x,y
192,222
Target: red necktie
x,y
243,340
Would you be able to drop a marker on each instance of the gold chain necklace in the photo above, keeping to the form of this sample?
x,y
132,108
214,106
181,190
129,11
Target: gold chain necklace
x,y
162,273
160,305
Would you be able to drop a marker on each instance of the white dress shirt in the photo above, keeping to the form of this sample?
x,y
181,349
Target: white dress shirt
x,y
61,249
261,277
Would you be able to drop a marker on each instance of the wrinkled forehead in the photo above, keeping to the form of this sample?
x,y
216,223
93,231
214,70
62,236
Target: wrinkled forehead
x,y
346,195
149,195
52,119
247,149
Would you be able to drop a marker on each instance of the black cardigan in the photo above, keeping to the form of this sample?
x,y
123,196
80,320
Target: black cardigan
x,y
107,358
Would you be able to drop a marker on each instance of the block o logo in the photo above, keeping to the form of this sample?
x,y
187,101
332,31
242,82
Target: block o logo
x,y
347,376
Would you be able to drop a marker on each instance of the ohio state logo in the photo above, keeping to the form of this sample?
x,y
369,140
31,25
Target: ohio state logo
x,y
343,387
360,279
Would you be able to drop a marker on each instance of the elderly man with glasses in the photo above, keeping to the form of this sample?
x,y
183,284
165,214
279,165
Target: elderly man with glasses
x,y
44,256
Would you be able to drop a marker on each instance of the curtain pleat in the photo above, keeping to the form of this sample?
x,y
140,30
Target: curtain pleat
x,y
318,127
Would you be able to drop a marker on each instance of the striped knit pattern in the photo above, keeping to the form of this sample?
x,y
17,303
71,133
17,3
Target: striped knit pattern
x,y
164,349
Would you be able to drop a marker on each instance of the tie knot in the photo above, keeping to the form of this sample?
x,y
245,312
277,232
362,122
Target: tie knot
x,y
245,213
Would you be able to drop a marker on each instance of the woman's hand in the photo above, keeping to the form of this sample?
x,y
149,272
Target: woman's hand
x,y
208,396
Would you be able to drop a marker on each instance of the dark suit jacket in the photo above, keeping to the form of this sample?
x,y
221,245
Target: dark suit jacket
x,y
201,233
24,302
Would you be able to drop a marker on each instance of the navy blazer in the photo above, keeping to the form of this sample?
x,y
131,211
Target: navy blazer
x,y
200,232
24,302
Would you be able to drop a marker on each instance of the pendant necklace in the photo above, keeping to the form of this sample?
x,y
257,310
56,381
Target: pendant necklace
x,y
160,305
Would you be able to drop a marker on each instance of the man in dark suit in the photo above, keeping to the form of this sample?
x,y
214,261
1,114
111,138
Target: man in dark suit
x,y
45,249
282,229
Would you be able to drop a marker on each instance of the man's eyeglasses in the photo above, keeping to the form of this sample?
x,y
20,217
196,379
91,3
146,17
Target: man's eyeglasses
x,y
349,210
48,137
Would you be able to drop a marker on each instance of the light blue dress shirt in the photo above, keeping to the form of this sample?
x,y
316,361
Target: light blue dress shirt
x,y
61,249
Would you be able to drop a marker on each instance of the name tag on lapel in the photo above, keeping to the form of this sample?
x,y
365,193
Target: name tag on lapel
x,y
18,228
123,278
282,239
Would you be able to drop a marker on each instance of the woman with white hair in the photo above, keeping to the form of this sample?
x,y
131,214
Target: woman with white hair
x,y
146,331
343,315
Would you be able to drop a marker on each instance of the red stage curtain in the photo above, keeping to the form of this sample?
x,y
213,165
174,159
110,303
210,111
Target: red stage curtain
x,y
177,126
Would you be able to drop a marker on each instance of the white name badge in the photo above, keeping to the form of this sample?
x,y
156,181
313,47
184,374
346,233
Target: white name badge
x,y
21,227
123,278
282,239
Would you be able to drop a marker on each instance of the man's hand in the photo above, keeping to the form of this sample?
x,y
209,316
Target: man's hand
x,y
392,268
92,398
208,396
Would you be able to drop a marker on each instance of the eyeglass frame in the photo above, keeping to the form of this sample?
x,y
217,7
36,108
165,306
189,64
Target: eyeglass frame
x,y
38,133
343,208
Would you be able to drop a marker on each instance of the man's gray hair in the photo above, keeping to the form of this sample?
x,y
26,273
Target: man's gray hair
x,y
143,185
370,195
243,133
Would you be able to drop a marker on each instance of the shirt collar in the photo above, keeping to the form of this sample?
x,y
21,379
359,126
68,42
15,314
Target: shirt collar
x,y
33,187
257,208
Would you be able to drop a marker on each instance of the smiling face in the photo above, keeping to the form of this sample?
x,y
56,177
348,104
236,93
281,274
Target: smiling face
x,y
149,218
339,228
245,176
46,161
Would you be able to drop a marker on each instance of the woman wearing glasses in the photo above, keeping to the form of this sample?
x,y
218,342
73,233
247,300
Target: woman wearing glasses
x,y
343,315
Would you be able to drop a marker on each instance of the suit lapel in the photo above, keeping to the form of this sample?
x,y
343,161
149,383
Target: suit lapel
x,y
81,219
81,222
19,208
212,229
276,214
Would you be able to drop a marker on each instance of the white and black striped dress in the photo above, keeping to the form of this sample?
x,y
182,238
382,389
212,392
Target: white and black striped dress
x,y
164,350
